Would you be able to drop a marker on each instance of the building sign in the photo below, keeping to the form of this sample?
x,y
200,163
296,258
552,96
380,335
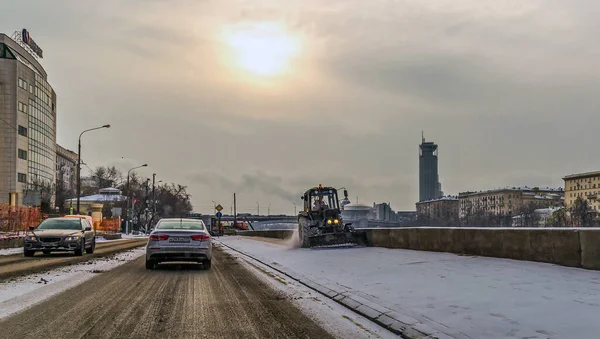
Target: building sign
x,y
29,42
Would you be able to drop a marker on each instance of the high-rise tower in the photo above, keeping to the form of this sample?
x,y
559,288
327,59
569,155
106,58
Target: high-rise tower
x,y
429,185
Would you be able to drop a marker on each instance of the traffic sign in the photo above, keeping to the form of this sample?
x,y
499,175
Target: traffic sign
x,y
219,208
219,215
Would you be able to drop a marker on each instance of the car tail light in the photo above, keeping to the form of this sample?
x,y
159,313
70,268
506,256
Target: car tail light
x,y
157,237
200,237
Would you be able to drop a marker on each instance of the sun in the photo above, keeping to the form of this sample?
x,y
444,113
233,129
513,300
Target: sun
x,y
263,49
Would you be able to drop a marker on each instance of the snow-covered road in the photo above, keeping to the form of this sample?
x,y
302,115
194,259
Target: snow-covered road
x,y
474,297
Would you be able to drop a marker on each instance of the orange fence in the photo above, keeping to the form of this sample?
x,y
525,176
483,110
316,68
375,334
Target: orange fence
x,y
18,219
108,225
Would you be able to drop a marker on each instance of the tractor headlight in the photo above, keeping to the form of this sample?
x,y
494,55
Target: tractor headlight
x,y
336,221
329,222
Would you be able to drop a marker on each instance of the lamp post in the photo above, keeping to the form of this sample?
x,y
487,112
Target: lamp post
x,y
79,162
257,208
154,198
214,206
129,209
294,208
269,210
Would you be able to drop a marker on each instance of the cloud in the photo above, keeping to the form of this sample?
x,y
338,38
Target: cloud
x,y
507,89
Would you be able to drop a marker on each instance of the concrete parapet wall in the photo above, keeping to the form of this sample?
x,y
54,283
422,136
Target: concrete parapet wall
x,y
567,247
279,234
574,247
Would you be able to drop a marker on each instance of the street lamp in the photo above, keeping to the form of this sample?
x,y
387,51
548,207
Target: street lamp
x,y
257,208
269,210
79,162
294,208
214,206
128,195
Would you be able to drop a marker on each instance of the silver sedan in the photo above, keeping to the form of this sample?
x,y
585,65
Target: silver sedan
x,y
181,240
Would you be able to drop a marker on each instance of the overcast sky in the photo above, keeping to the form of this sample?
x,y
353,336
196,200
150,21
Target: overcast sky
x,y
508,89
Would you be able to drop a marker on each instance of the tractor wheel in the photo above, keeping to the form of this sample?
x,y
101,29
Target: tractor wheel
x,y
304,232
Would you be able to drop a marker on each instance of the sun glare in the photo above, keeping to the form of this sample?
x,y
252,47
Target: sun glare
x,y
263,49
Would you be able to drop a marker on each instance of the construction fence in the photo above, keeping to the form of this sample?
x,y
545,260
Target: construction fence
x,y
15,220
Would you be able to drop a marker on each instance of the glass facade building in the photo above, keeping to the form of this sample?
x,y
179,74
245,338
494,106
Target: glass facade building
x,y
28,125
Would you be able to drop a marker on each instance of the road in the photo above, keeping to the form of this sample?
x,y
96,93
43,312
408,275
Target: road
x,y
176,301
15,265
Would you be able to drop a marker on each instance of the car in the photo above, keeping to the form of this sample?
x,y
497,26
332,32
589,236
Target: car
x,y
179,240
60,235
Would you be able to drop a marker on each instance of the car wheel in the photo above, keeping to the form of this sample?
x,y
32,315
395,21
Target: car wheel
x,y
207,264
28,253
92,248
81,249
150,264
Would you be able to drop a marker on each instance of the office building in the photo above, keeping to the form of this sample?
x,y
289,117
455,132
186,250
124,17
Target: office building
x,y
429,183
585,186
508,201
440,211
28,122
66,168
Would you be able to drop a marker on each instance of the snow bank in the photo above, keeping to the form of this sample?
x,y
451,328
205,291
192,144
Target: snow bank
x,y
11,251
24,292
459,295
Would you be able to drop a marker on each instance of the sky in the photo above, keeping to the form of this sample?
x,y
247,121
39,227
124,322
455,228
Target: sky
x,y
268,99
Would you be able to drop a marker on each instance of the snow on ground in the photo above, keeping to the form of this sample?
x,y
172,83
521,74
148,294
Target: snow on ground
x,y
476,296
100,239
131,236
334,318
11,251
23,292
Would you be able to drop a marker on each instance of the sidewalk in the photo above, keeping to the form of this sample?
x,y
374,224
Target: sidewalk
x,y
446,295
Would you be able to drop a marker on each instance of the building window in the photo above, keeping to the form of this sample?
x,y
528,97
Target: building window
x,y
22,131
23,84
31,89
22,154
22,107
22,177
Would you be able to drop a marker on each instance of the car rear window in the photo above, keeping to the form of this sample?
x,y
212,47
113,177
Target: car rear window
x,y
60,224
180,225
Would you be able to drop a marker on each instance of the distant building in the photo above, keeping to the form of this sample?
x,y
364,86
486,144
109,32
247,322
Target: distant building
x,y
383,212
429,183
28,129
357,214
66,168
584,186
109,196
441,211
406,217
508,201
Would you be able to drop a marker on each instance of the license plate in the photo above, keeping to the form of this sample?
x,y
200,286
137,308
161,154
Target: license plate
x,y
50,244
179,239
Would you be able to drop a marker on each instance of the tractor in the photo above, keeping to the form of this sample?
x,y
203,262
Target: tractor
x,y
320,222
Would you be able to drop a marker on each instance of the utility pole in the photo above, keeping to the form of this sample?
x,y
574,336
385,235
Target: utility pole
x,y
234,212
146,207
153,199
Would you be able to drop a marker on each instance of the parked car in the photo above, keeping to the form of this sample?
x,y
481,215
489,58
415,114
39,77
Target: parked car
x,y
60,235
181,240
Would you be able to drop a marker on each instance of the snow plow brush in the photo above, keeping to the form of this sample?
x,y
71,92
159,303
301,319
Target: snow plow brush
x,y
345,239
